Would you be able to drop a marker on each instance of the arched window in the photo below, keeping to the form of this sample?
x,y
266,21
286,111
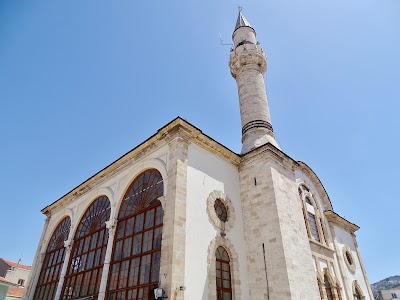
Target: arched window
x,y
328,289
314,223
135,264
88,251
52,263
357,294
223,274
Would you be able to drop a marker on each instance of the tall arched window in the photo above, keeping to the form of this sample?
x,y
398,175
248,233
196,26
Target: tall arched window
x,y
135,265
312,217
328,288
89,248
52,263
223,274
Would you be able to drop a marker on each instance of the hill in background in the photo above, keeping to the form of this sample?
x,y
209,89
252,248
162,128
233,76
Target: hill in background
x,y
385,284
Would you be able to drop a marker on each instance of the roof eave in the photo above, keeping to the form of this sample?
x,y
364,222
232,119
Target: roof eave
x,y
340,221
178,124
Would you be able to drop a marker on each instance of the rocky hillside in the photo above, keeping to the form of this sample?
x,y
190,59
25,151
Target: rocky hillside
x,y
385,284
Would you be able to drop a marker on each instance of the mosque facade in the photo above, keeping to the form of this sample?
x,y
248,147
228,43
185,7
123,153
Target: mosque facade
x,y
182,213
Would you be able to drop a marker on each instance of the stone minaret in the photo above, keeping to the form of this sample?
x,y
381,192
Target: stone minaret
x,y
248,64
279,259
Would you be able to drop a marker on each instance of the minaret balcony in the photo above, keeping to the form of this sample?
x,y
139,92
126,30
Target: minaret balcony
x,y
247,54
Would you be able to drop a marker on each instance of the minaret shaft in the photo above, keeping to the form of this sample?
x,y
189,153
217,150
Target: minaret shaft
x,y
252,97
248,65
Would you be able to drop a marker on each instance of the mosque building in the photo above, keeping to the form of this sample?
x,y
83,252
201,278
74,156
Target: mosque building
x,y
182,213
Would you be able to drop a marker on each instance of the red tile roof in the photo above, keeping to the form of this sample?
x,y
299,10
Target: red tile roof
x,y
15,264
16,292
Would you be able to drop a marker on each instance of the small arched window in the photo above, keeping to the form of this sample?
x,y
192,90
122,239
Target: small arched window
x,y
328,288
88,251
223,274
52,263
357,294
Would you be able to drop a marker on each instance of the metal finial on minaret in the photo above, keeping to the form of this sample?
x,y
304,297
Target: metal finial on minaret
x,y
241,20
248,65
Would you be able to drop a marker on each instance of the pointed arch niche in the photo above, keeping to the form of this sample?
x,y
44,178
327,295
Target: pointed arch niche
x,y
217,262
88,250
357,292
52,263
135,262
329,287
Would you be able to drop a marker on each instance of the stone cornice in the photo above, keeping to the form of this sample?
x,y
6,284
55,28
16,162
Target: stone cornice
x,y
177,127
340,221
276,154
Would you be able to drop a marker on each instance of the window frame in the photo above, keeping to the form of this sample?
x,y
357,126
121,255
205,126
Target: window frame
x,y
53,260
133,213
315,226
221,262
91,236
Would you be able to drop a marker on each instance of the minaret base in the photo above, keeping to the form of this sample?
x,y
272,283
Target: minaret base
x,y
256,138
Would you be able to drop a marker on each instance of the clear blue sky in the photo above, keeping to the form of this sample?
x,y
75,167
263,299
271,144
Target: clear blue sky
x,y
83,82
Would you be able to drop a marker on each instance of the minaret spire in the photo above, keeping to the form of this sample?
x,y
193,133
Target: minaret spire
x,y
248,65
241,20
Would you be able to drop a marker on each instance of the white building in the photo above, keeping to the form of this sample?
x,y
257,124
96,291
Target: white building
x,y
389,294
184,213
13,275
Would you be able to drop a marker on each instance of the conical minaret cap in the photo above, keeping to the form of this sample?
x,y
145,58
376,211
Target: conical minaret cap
x,y
241,20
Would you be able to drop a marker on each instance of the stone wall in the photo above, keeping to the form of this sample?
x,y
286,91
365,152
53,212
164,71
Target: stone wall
x,y
273,219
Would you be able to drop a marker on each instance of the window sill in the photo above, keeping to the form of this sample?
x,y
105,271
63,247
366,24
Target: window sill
x,y
321,245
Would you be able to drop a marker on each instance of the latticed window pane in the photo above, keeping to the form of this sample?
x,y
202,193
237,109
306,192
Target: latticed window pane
x,y
86,262
221,210
52,263
223,274
313,227
137,244
143,192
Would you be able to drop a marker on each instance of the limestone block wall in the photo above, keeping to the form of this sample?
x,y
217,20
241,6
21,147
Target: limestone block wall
x,y
273,216
209,174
